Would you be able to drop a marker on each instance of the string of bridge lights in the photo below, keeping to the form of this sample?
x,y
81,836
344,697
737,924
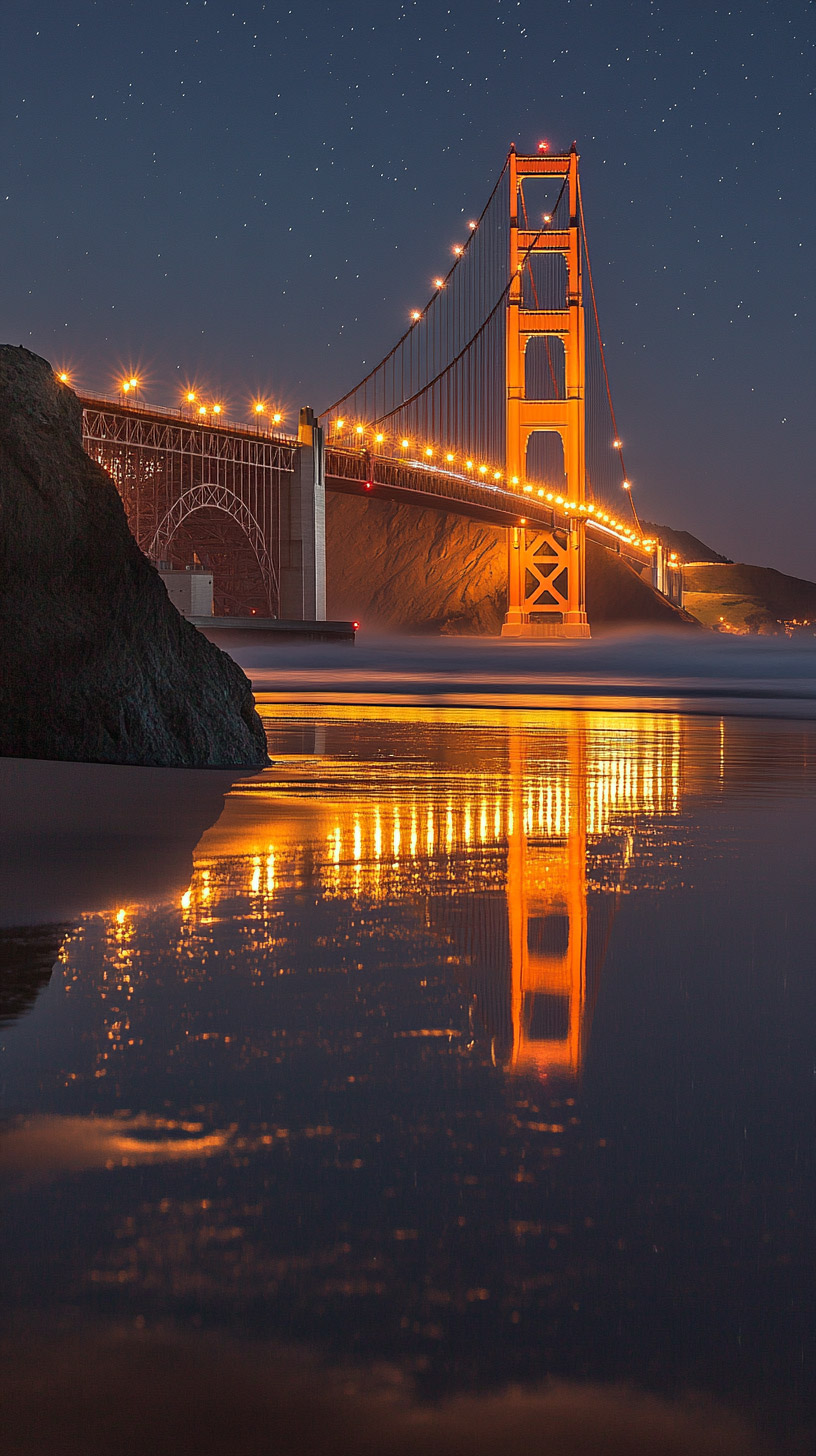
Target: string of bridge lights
x,y
363,436
418,314
130,385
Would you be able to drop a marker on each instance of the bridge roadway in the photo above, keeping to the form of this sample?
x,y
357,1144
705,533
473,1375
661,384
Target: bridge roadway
x,y
414,483
357,472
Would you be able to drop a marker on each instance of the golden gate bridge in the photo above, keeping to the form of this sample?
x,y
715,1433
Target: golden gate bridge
x,y
494,403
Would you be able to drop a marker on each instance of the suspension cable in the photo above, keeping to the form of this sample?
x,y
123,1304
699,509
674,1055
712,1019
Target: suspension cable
x,y
332,407
618,447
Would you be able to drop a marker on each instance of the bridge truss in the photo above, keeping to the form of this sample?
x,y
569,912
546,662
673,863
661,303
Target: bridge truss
x,y
199,491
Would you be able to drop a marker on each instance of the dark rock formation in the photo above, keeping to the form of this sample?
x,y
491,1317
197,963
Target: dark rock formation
x,y
392,566
27,958
95,663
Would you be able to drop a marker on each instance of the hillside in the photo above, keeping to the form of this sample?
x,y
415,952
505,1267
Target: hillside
x,y
739,597
687,547
394,567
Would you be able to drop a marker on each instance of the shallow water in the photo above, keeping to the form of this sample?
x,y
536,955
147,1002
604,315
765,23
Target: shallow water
x,y
476,1042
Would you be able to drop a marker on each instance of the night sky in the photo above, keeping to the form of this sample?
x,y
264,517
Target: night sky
x,y
253,196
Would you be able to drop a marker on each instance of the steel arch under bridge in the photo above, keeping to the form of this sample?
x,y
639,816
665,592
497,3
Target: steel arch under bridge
x,y
211,496
169,466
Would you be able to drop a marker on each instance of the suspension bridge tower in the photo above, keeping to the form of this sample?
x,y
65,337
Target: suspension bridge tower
x,y
546,568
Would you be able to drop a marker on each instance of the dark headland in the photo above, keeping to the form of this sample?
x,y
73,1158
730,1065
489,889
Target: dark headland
x,y
96,665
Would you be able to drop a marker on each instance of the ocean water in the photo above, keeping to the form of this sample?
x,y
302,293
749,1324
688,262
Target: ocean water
x,y
472,1040
698,671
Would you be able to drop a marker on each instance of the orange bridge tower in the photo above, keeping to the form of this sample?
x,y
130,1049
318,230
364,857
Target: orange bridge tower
x,y
546,568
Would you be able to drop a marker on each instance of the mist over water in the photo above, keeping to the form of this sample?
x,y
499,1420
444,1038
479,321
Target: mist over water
x,y
695,668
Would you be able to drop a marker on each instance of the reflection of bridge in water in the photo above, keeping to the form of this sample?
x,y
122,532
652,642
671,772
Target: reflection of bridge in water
x,y
515,854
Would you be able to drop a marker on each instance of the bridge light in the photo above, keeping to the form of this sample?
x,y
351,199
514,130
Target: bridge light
x,y
63,377
277,417
125,386
483,470
617,444
449,458
134,383
473,226
549,494
404,444
541,493
559,500
190,397
416,314
428,450
522,520
259,409
497,475
627,485
202,409
546,217
379,439
356,626
515,481
458,250
216,409
528,490
543,146
439,283
469,464
359,430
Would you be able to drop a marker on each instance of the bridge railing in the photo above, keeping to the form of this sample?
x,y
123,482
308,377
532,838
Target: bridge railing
x,y
423,483
224,424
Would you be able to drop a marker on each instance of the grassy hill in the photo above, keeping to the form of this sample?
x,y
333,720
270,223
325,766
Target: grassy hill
x,y
738,597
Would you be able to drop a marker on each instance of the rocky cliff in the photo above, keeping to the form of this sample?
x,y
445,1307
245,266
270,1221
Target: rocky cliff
x,y
95,663
392,566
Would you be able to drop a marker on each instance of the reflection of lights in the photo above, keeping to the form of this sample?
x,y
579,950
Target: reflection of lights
x,y
120,917
358,841
270,871
255,882
186,899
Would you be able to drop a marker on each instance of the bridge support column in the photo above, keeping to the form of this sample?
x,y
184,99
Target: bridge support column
x,y
303,528
546,569
545,582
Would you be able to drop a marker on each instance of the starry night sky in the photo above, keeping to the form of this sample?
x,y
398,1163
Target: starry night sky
x,y
253,196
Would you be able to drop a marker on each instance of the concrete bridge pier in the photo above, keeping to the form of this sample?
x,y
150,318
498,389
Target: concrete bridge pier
x,y
303,527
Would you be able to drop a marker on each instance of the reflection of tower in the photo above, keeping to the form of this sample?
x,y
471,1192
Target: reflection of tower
x,y
535,942
547,918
